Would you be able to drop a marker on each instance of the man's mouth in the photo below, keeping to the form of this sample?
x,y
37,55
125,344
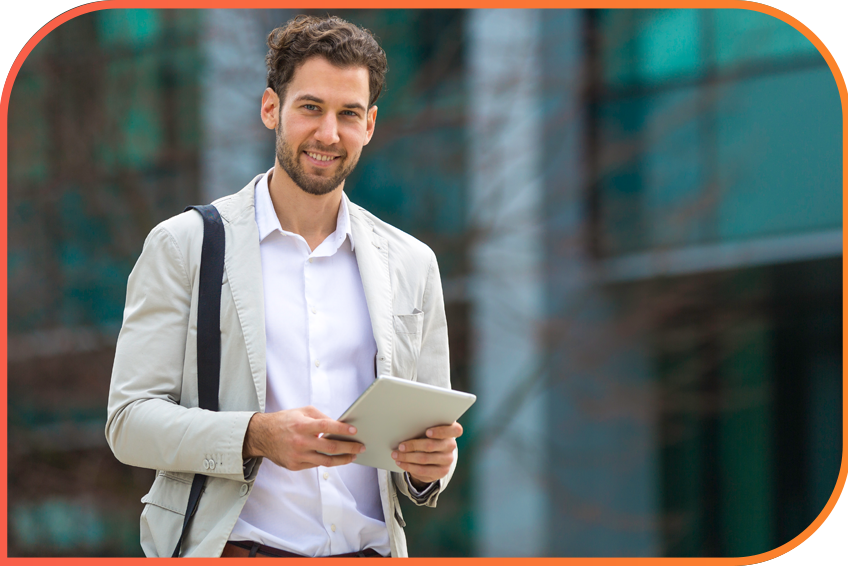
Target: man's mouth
x,y
319,157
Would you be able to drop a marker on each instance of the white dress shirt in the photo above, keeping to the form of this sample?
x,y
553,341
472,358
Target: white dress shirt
x,y
320,351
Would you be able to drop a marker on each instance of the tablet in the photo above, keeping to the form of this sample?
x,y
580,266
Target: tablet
x,y
392,410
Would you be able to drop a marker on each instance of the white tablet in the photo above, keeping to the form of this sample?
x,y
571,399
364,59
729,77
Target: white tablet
x,y
392,410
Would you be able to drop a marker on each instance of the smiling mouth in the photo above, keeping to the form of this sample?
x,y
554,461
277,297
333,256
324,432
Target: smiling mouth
x,y
319,157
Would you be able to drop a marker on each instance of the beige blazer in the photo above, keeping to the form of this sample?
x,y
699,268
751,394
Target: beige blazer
x,y
154,420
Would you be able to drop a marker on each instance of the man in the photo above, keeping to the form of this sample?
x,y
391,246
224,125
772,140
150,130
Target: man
x,y
318,298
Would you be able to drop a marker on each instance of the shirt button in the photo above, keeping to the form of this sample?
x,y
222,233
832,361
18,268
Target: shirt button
x,y
333,527
326,476
310,260
313,310
317,363
243,489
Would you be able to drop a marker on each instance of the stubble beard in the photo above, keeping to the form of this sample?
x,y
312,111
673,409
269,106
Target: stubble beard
x,y
312,184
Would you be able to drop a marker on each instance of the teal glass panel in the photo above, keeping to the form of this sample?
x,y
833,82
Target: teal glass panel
x,y
92,280
682,457
745,434
654,185
677,201
133,93
779,150
649,46
669,43
129,28
620,180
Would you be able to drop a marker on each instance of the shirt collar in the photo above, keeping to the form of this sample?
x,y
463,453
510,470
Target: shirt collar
x,y
267,221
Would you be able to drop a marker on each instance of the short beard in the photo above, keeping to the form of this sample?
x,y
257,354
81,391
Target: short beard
x,y
314,185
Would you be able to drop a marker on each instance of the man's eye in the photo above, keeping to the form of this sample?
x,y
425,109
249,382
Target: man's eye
x,y
350,113
310,107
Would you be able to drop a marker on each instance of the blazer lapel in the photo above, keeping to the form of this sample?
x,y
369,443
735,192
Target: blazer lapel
x,y
372,257
243,264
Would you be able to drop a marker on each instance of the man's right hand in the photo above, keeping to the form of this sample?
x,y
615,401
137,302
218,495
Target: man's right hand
x,y
291,439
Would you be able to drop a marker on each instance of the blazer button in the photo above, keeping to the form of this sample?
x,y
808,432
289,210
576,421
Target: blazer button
x,y
205,464
211,464
243,489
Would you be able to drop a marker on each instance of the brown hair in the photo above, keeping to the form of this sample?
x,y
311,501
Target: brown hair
x,y
343,44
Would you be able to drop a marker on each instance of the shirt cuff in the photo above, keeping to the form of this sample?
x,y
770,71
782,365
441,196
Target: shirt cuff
x,y
419,495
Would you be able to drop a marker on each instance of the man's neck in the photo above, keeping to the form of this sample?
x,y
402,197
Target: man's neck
x,y
311,216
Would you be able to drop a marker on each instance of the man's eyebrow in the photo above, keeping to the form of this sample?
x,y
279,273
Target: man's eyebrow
x,y
313,98
355,106
309,98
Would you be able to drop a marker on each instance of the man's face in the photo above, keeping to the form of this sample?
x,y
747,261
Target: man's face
x,y
323,123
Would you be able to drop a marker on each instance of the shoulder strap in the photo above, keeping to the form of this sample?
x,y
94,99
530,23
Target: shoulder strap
x,y
208,334
209,307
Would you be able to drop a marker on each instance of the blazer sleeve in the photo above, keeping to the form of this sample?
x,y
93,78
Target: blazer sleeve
x,y
433,367
146,424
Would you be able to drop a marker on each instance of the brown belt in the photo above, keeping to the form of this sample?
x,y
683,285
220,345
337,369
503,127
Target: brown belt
x,y
247,549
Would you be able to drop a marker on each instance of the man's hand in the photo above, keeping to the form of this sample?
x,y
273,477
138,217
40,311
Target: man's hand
x,y
291,439
428,459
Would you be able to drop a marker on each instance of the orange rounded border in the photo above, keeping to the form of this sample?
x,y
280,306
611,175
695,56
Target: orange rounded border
x,y
444,4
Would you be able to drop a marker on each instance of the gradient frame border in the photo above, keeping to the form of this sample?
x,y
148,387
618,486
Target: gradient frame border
x,y
431,4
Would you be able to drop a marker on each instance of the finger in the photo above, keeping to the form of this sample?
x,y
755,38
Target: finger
x,y
424,458
327,426
324,424
329,446
427,445
448,431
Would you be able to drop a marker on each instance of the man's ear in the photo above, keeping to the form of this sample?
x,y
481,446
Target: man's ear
x,y
370,121
270,108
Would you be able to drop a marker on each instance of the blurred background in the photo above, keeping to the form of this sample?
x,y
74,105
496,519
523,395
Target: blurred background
x,y
638,219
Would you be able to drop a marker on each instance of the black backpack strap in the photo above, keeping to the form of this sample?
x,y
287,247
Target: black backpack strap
x,y
209,307
197,485
208,335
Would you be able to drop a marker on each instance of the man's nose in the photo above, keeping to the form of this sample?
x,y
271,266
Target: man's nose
x,y
328,130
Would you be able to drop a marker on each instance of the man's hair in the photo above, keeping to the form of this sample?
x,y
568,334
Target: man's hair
x,y
343,44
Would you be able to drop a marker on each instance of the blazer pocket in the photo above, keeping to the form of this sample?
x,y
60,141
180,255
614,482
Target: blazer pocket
x,y
169,491
407,344
164,509
409,323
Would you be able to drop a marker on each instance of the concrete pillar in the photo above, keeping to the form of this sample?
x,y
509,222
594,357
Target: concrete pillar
x,y
506,286
235,144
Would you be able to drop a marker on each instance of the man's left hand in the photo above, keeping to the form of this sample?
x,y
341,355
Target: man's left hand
x,y
429,459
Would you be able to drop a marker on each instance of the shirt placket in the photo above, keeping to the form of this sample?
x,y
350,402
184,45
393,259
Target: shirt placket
x,y
314,269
